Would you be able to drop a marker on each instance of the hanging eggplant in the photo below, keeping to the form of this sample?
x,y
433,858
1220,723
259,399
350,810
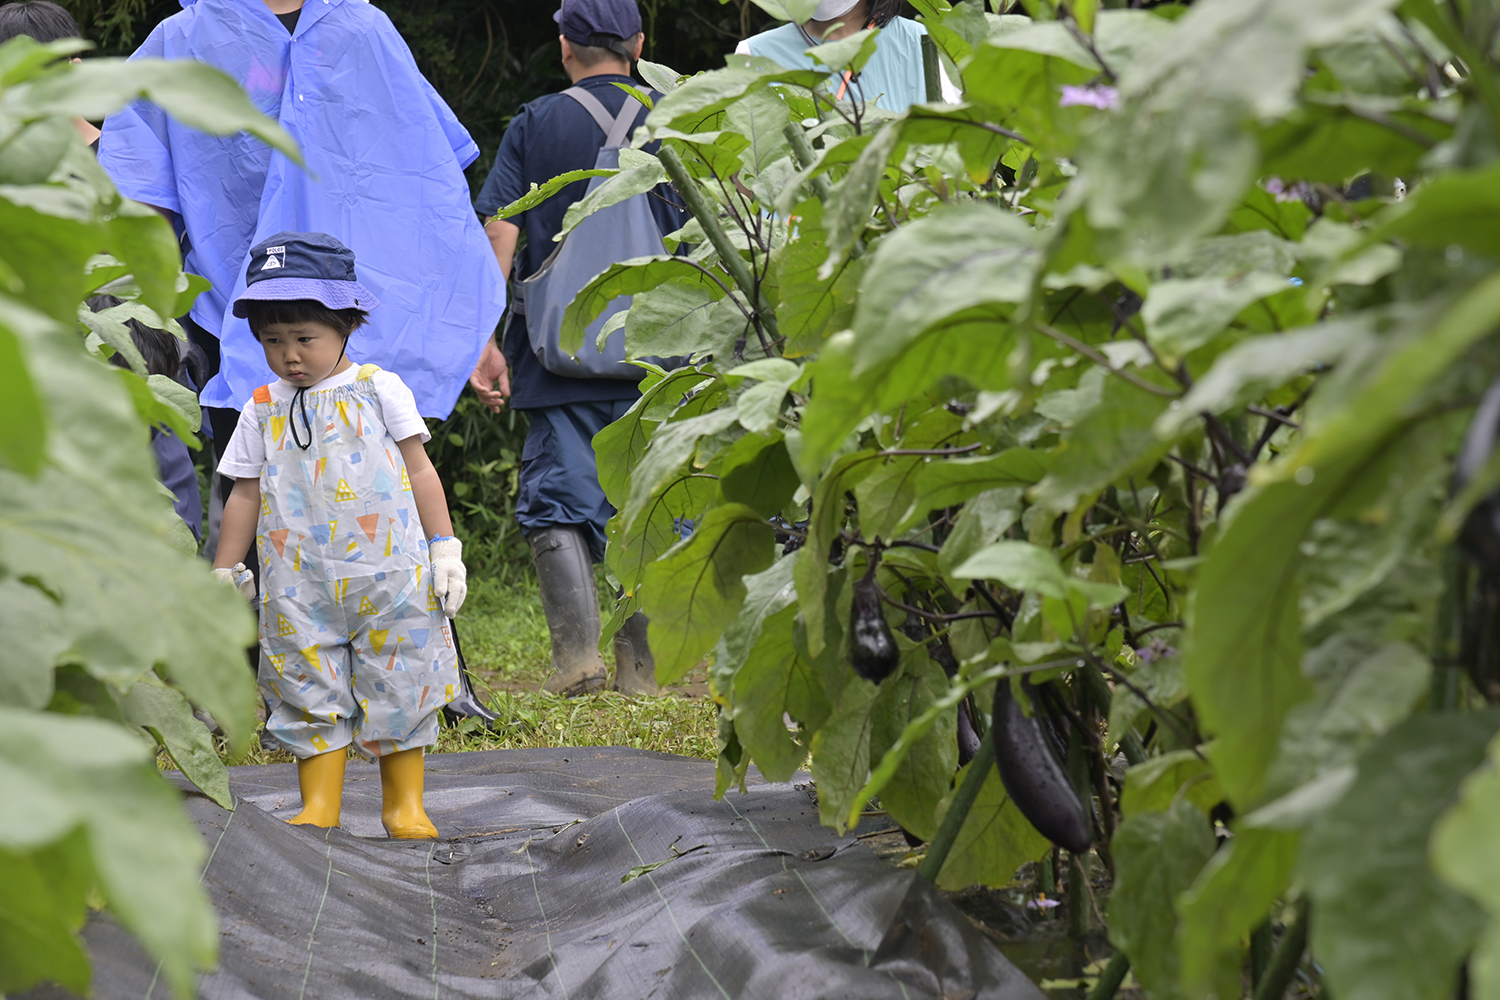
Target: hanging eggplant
x,y
872,648
1033,776
1480,537
968,739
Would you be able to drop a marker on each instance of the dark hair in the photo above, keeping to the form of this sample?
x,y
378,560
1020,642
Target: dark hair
x,y
882,12
262,314
38,19
159,348
604,46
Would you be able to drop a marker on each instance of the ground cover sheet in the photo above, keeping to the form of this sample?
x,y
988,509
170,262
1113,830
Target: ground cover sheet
x,y
546,882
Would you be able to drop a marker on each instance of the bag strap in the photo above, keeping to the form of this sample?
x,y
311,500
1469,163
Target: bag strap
x,y
616,128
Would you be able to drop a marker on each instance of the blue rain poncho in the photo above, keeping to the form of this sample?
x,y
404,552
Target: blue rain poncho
x,y
385,159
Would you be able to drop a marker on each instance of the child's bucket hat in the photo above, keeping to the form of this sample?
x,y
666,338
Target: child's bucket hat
x,y
313,266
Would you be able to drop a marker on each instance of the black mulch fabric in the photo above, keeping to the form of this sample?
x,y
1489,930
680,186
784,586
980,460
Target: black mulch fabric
x,y
523,894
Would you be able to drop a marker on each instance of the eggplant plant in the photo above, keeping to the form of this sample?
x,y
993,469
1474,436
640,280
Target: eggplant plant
x,y
1132,386
113,628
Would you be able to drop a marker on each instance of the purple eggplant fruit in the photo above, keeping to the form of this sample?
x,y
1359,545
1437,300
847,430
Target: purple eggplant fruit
x,y
872,648
1033,777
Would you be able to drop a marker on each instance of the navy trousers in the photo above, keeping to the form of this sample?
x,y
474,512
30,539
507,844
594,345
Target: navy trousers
x,y
559,483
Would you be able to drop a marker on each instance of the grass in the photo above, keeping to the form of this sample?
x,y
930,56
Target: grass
x,y
506,647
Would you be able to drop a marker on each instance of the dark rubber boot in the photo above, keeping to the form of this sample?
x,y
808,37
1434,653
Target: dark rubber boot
x,y
635,667
571,602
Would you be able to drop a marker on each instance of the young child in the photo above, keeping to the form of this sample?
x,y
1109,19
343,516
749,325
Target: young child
x,y
354,538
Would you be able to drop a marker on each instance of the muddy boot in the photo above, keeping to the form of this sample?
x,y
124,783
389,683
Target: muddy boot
x,y
635,667
571,602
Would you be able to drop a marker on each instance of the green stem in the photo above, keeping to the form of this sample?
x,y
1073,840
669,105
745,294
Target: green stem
x,y
1261,946
1110,979
1098,690
802,152
729,254
931,69
1078,896
1285,959
963,801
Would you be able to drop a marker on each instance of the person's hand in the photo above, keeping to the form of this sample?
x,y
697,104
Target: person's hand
x,y
239,577
450,581
491,378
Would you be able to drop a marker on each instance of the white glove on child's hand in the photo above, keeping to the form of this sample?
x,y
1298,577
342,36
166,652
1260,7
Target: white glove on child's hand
x,y
239,577
450,581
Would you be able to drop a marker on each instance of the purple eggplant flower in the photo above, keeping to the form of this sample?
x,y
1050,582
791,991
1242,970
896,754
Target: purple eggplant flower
x,y
1098,96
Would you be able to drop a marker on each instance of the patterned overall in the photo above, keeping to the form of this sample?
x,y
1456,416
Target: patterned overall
x,y
354,644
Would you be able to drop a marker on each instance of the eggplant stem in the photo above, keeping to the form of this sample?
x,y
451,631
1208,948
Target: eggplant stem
x,y
963,801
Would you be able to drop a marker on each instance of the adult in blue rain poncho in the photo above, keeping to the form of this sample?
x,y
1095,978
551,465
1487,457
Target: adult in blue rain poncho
x,y
385,159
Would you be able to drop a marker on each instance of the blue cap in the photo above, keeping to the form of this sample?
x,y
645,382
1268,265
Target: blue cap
x,y
580,20
313,266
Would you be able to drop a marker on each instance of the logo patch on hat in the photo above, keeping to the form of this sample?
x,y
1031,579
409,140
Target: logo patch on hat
x,y
275,258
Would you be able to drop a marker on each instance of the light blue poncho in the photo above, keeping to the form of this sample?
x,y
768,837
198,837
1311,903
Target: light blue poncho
x,y
385,159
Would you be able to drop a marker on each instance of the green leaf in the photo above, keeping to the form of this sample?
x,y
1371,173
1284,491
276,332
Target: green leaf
x,y
37,939
1230,898
59,773
23,426
168,716
194,93
1460,207
1354,707
849,206
674,319
697,100
639,173
1158,855
773,682
639,95
36,642
841,752
934,268
658,527
539,194
1154,785
1023,566
619,447
694,591
789,10
1111,440
995,838
1386,926
1020,75
984,519
1464,856
848,53
823,525
1182,315
662,79
141,238
628,277
916,789
811,308
956,480
765,480
1257,364
90,530
1336,137
669,457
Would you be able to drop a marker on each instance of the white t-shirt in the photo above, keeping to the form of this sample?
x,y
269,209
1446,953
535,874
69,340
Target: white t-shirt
x,y
245,458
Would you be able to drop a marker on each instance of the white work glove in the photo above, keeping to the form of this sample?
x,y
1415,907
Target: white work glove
x,y
450,581
238,577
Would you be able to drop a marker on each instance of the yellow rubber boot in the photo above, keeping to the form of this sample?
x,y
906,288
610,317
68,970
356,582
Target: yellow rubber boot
x,y
401,797
321,779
